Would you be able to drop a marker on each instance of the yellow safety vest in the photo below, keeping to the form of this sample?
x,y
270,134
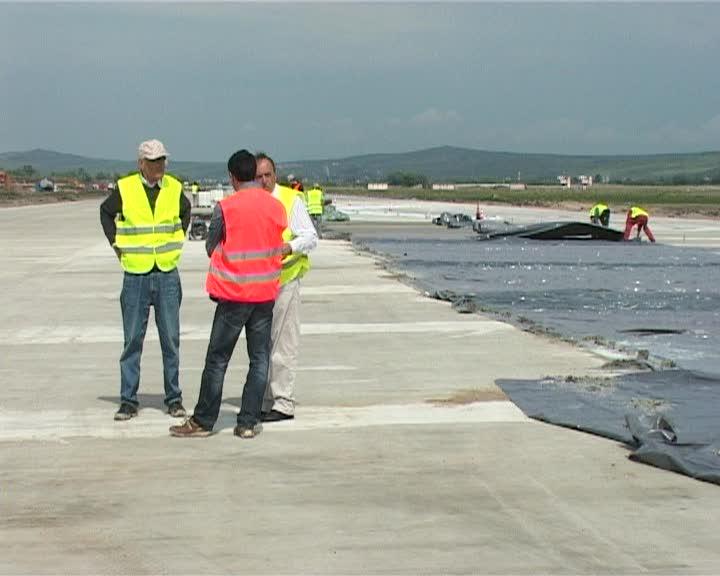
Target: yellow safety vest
x,y
598,209
635,211
293,265
315,201
144,238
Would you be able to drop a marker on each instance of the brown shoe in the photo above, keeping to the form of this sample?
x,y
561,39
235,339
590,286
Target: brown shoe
x,y
189,429
244,432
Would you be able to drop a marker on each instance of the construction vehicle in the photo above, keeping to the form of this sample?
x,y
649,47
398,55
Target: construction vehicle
x,y
203,205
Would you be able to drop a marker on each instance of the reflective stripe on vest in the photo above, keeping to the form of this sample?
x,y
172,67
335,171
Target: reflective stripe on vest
x,y
245,278
245,266
635,212
248,254
315,201
294,266
145,238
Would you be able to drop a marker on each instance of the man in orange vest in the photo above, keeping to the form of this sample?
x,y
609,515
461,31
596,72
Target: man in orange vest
x,y
245,245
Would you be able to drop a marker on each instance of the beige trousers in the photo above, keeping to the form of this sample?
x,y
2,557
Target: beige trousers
x,y
285,337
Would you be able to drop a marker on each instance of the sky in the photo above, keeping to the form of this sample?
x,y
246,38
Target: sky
x,y
304,81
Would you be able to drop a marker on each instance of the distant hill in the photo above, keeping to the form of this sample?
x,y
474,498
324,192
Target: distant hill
x,y
442,164
48,162
450,164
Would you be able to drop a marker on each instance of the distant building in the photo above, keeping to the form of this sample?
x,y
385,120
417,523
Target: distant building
x,y
585,180
377,186
582,180
518,186
443,186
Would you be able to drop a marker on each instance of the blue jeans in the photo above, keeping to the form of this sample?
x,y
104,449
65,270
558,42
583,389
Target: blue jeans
x,y
230,318
162,291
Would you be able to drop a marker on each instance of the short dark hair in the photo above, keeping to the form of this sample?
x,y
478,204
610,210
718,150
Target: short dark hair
x,y
242,165
262,156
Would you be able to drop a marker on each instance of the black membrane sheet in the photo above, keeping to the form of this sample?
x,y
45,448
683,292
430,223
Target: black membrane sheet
x,y
632,296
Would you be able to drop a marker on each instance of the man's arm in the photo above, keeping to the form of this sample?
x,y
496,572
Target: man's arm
x,y
185,212
216,230
109,209
305,236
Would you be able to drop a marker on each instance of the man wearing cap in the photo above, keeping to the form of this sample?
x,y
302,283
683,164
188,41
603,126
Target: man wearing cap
x,y
145,220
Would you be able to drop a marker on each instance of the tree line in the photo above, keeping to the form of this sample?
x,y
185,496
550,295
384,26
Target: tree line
x,y
403,179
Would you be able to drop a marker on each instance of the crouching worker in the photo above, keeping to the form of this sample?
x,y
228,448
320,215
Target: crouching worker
x,y
244,243
637,217
600,214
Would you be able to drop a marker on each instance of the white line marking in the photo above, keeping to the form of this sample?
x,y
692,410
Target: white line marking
x,y
60,425
107,334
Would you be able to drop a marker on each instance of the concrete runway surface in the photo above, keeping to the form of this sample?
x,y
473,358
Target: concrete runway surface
x,y
404,456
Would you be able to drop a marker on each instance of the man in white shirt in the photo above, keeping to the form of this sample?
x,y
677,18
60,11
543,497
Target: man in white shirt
x,y
300,239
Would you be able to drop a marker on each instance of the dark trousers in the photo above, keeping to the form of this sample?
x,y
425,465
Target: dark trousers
x,y
317,222
602,218
229,321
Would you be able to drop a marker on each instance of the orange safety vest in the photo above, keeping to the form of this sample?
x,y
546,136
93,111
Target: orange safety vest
x,y
246,265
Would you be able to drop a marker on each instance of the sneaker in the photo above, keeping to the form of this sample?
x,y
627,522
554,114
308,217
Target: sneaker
x,y
177,410
126,411
189,429
245,432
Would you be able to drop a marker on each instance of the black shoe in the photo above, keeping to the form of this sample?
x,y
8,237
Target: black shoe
x,y
177,410
126,412
275,416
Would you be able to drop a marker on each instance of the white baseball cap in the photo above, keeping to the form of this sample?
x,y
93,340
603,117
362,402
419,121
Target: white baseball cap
x,y
152,150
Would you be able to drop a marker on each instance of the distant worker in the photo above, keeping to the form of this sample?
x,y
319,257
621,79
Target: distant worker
x,y
195,188
600,214
145,219
296,184
244,243
316,206
299,238
637,217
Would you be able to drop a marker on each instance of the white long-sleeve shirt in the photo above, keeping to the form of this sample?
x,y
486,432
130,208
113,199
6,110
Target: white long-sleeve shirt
x,y
301,226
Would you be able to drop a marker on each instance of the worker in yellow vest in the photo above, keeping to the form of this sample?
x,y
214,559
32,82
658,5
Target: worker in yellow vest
x,y
600,214
300,238
636,216
195,189
145,220
316,206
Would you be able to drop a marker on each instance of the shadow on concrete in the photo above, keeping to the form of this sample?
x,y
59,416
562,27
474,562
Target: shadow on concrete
x,y
145,400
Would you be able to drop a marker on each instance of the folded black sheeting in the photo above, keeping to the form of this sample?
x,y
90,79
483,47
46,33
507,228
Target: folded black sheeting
x,y
669,417
549,231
